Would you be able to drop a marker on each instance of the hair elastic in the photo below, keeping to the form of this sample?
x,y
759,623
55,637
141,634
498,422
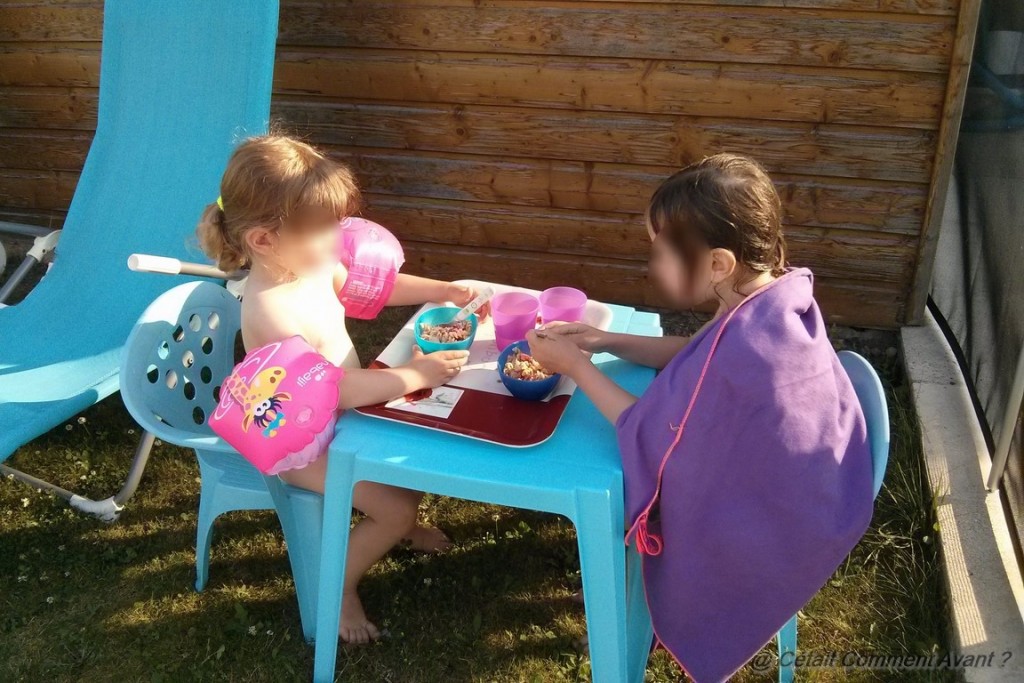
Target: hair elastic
x,y
220,203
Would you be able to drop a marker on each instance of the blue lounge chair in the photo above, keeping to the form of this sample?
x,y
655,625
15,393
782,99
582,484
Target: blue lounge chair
x,y
181,82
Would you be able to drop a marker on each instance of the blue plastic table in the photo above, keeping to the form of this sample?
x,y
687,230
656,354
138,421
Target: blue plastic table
x,y
576,473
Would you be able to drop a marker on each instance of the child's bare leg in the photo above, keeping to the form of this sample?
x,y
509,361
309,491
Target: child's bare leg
x,y
390,516
427,539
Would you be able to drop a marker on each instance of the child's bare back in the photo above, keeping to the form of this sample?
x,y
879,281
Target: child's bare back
x,y
306,306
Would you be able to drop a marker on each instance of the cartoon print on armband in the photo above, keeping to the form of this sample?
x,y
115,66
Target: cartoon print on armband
x,y
260,402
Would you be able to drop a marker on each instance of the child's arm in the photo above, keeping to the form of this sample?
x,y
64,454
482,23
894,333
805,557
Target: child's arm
x,y
654,352
368,387
557,354
360,387
410,289
609,397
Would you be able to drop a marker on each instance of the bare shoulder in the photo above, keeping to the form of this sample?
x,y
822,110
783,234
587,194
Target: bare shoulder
x,y
265,319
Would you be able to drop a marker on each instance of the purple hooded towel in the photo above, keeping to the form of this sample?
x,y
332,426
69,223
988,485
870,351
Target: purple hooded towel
x,y
767,488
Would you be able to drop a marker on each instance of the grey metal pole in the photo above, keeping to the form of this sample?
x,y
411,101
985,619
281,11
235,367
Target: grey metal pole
x,y
24,230
107,509
16,277
1010,417
42,246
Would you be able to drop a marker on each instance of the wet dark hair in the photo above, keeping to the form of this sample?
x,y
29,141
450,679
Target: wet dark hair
x,y
724,201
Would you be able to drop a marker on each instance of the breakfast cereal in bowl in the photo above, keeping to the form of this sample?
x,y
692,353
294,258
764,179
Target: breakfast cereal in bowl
x,y
523,376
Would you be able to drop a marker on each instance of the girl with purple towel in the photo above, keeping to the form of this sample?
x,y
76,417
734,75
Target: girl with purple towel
x,y
747,468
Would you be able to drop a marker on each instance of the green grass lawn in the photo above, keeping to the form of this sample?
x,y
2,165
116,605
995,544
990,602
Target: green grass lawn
x,y
87,601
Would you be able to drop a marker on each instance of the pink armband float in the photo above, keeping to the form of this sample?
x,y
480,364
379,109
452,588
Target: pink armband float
x,y
373,257
278,407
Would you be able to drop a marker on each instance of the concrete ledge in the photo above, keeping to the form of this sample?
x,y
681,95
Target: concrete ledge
x,y
982,577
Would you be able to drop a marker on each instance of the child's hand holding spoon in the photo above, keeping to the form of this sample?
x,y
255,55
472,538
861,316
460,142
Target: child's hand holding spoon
x,y
471,300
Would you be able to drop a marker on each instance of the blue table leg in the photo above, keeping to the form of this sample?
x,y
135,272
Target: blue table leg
x,y
639,631
333,551
600,530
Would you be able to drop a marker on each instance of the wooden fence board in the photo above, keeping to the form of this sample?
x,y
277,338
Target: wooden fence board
x,y
520,139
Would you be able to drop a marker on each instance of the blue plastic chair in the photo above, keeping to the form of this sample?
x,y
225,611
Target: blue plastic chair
x,y
876,413
301,514
174,360
180,82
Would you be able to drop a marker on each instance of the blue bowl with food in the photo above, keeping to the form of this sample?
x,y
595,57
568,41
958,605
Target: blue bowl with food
x,y
522,375
436,331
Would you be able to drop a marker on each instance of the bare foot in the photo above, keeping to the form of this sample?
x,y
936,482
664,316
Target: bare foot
x,y
355,628
427,539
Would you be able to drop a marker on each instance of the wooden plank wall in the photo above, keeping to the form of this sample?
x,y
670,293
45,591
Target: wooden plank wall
x,y
519,140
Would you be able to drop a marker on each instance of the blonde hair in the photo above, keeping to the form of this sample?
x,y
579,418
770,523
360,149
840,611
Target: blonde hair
x,y
269,179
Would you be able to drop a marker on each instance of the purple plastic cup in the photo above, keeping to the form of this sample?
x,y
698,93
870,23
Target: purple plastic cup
x,y
562,303
514,313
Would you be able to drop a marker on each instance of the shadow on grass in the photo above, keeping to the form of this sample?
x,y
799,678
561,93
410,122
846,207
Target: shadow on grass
x,y
126,610
86,601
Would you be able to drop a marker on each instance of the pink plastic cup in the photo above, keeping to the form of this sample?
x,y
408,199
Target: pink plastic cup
x,y
514,313
562,303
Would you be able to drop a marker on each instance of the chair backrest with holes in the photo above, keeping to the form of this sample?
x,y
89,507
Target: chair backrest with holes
x,y
176,357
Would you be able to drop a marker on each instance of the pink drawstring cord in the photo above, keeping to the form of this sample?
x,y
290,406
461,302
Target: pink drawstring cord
x,y
647,543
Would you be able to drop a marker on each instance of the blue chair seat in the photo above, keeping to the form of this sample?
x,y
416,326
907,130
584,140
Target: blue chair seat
x,y
235,472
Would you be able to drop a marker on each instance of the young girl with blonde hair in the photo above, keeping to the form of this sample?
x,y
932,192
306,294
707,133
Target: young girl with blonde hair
x,y
278,215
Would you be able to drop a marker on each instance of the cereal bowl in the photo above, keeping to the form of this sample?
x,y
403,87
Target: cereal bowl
x,y
441,316
527,389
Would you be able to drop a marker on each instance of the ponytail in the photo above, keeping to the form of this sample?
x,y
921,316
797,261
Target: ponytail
x,y
214,240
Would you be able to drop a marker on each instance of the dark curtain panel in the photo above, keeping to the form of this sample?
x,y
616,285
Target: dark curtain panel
x,y
978,284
